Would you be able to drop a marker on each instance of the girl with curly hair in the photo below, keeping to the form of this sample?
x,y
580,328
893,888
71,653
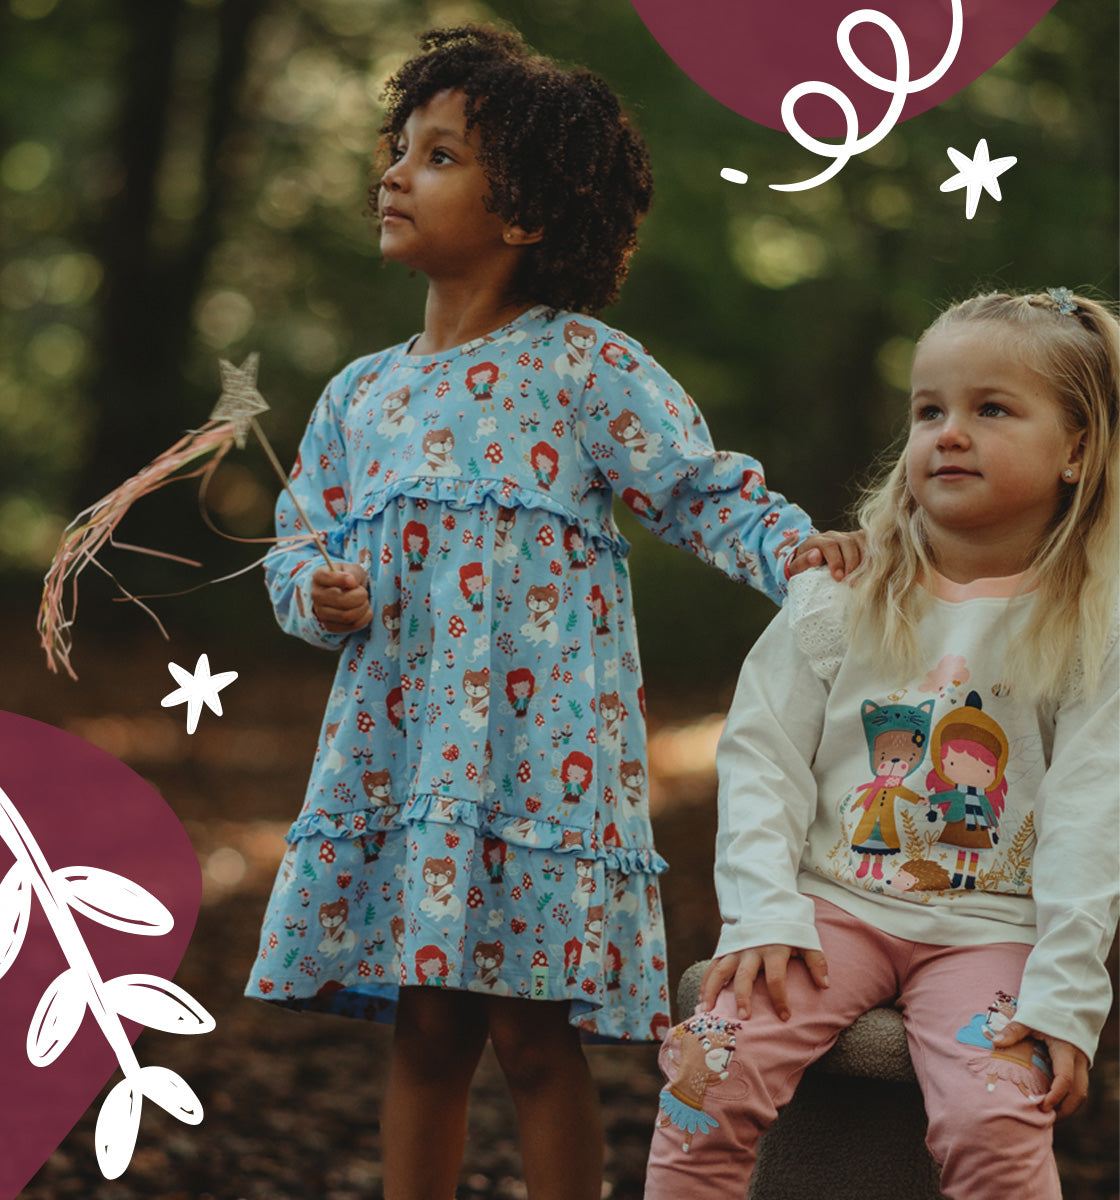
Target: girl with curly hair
x,y
516,187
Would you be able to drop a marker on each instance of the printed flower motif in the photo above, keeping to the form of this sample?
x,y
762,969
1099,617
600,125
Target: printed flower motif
x,y
493,453
950,673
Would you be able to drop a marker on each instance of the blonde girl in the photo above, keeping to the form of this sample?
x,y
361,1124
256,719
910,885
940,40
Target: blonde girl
x,y
976,649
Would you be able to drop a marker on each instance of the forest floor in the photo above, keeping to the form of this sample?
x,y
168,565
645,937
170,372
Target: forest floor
x,y
291,1102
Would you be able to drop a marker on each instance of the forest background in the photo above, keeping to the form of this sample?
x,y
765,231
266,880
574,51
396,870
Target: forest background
x,y
186,179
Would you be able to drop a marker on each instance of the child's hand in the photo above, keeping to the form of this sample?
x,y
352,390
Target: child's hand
x,y
743,966
340,598
1071,1068
840,552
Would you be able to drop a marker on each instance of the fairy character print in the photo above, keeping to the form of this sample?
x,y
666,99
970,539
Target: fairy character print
x,y
896,738
618,356
520,686
1026,1064
575,774
472,583
967,784
600,611
576,548
545,463
481,379
416,544
641,505
432,967
700,1050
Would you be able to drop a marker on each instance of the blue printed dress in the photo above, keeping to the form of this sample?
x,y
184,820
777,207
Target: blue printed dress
x,y
477,815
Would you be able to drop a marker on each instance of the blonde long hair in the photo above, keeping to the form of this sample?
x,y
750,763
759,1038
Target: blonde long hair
x,y
1077,564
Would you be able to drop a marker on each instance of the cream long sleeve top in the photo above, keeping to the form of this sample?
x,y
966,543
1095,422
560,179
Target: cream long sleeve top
x,y
939,808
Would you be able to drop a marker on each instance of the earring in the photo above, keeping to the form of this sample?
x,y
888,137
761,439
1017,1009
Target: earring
x,y
507,235
1067,474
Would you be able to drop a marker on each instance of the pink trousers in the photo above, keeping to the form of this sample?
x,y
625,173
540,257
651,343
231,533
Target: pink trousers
x,y
726,1078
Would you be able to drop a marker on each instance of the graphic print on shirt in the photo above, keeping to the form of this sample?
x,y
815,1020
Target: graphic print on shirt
x,y
695,1060
896,739
1025,1064
968,752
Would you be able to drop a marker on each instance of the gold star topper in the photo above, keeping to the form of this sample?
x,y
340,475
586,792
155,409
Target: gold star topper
x,y
240,401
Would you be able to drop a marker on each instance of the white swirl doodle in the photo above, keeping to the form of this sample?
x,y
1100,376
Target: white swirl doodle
x,y
899,88
115,901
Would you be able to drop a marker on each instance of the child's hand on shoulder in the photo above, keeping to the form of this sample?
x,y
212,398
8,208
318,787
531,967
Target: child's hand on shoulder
x,y
340,598
840,552
1070,1085
743,967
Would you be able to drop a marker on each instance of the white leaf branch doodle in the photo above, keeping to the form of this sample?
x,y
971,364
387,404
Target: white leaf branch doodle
x,y
900,87
119,903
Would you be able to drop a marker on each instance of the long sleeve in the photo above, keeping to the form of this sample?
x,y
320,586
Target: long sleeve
x,y
319,479
1066,990
645,437
768,795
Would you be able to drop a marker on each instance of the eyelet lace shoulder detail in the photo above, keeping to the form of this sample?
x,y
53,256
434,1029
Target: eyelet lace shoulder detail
x,y
818,617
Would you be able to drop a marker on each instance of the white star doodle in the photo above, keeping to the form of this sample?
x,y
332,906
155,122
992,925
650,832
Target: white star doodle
x,y
240,401
197,689
976,174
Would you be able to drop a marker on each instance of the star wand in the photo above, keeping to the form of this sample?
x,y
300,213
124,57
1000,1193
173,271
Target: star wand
x,y
200,450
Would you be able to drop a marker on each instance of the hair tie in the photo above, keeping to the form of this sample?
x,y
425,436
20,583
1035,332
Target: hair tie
x,y
1063,298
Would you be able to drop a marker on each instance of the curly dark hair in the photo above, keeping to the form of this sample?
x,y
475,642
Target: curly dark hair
x,y
557,150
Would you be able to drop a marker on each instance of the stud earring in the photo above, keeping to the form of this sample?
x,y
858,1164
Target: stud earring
x,y
1068,473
